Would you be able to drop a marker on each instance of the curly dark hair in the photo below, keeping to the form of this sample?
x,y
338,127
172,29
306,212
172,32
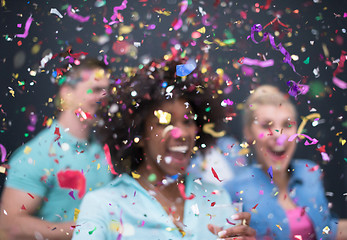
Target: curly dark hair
x,y
138,96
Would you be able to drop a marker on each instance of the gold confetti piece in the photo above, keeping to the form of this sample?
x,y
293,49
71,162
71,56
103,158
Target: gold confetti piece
x,y
135,175
243,151
98,167
12,92
201,30
311,117
342,141
125,29
27,150
49,122
279,227
164,117
114,226
326,230
166,13
75,214
2,169
208,128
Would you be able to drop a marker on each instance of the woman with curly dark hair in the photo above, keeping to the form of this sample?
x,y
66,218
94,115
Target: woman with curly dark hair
x,y
152,127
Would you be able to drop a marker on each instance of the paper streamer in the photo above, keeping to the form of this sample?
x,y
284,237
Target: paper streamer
x,y
256,62
177,24
76,16
311,117
297,89
108,159
181,188
115,9
3,153
313,140
287,58
26,28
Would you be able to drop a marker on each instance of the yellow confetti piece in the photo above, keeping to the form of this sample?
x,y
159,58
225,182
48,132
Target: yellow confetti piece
x,y
27,149
208,128
279,227
12,92
166,13
164,117
342,141
75,214
114,226
35,49
98,167
207,42
243,151
2,169
125,29
244,145
135,175
49,122
201,30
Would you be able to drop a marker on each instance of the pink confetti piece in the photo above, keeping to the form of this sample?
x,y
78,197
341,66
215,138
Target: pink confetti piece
x,y
76,16
3,153
315,168
26,28
256,62
177,23
338,82
119,237
182,188
215,174
228,102
231,223
115,10
325,156
313,140
105,59
176,132
108,159
287,58
281,139
345,15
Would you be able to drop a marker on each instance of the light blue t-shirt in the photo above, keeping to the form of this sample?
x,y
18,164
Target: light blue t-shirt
x,y
125,207
34,168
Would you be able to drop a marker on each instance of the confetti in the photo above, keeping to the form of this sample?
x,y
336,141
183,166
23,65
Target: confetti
x,y
3,153
56,12
313,140
185,69
115,10
256,62
72,179
26,28
75,16
215,174
177,23
108,159
208,128
181,188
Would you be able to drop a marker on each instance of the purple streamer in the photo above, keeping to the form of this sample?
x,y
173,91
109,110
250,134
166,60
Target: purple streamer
x,y
279,47
26,28
3,153
115,9
256,62
297,89
76,16
313,140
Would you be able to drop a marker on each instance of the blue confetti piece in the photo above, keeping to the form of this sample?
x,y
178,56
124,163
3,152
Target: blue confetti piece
x,y
269,171
185,69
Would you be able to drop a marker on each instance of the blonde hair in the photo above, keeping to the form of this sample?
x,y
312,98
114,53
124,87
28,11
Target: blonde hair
x,y
265,95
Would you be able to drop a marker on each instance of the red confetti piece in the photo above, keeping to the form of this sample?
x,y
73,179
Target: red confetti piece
x,y
31,196
57,132
72,179
215,174
267,5
231,223
181,188
315,168
213,203
23,207
256,205
108,159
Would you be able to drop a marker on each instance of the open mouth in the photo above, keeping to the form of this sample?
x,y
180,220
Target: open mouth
x,y
278,154
179,149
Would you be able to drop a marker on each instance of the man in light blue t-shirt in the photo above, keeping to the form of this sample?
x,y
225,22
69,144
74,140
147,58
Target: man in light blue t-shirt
x,y
49,175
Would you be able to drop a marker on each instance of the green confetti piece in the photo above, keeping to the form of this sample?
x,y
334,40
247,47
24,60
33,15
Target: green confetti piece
x,y
89,91
23,109
152,177
26,134
307,60
208,109
91,232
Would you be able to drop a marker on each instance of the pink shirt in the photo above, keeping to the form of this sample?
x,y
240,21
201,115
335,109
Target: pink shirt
x,y
300,224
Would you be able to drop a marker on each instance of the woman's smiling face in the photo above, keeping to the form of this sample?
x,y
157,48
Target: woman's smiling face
x,y
271,128
169,137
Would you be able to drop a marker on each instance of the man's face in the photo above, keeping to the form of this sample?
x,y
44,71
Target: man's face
x,y
85,97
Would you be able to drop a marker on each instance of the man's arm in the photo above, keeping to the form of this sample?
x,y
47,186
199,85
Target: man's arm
x,y
17,220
